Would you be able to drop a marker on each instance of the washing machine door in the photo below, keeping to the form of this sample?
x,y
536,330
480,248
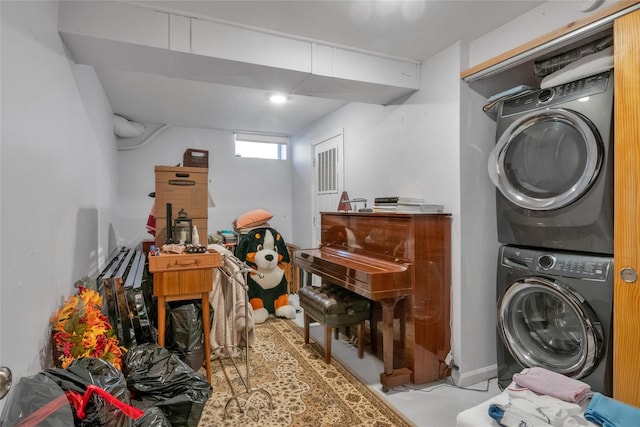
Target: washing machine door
x,y
544,323
546,159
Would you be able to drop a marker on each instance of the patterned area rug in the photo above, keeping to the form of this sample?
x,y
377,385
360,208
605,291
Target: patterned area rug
x,y
290,385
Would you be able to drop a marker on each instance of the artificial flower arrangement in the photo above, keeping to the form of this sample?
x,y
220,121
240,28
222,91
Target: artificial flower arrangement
x,y
80,329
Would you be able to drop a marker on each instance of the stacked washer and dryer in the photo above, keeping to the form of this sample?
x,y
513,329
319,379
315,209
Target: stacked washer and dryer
x,y
553,169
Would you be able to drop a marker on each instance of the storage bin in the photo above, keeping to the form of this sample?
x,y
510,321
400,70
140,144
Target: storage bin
x,y
196,158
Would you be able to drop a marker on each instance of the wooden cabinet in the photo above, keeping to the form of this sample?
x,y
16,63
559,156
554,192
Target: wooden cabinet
x,y
179,277
626,297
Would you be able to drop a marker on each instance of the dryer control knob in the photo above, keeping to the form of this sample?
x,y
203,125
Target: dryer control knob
x,y
546,95
629,274
546,261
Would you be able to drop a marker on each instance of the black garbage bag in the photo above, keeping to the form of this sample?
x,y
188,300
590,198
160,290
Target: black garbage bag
x,y
184,332
37,400
157,377
99,411
153,417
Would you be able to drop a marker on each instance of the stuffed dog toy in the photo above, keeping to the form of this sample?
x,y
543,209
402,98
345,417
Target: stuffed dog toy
x,y
264,249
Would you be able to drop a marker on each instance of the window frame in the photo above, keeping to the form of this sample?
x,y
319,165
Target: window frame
x,y
280,141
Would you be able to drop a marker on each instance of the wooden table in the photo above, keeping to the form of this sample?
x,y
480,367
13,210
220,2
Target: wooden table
x,y
178,277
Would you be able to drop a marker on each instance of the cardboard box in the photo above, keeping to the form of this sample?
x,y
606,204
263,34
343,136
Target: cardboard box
x,y
185,188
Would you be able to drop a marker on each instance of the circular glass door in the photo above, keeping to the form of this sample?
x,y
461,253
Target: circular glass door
x,y
546,159
544,324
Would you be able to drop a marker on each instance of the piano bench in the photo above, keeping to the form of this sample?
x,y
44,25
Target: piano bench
x,y
334,307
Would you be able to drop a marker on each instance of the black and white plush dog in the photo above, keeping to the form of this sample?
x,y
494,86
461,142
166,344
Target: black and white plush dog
x,y
265,250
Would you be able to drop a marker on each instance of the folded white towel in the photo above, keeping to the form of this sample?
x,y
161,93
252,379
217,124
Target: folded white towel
x,y
510,415
589,65
552,410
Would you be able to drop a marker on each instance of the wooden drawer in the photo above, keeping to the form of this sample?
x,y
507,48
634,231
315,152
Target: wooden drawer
x,y
181,262
182,283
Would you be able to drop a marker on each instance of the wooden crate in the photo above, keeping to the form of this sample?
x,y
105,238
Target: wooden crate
x,y
196,158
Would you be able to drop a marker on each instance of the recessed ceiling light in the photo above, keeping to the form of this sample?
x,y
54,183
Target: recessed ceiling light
x,y
278,99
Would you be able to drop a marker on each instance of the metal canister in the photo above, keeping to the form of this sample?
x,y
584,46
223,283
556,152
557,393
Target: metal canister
x,y
182,228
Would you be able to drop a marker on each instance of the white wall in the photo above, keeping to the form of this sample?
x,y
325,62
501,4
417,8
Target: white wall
x,y
475,353
235,184
58,177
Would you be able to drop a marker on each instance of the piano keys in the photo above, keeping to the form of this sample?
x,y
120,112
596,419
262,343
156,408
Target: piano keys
x,y
402,262
372,278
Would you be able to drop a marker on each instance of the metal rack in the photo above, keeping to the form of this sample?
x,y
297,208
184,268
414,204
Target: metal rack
x,y
242,269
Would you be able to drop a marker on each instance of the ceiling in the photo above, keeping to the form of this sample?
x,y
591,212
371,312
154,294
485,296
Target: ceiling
x,y
406,29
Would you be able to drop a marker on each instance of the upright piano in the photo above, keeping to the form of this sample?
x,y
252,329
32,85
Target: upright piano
x,y
403,263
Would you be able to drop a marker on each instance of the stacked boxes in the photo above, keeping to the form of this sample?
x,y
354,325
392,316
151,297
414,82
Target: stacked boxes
x,y
185,188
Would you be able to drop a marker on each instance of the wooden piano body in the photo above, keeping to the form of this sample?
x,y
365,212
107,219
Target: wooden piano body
x,y
403,262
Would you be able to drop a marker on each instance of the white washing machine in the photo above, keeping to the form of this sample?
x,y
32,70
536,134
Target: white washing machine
x,y
553,167
554,310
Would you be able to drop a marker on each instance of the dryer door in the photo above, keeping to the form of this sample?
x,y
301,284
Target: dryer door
x,y
543,323
546,159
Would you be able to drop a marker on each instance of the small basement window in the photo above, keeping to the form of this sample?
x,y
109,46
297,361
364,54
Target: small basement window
x,y
261,146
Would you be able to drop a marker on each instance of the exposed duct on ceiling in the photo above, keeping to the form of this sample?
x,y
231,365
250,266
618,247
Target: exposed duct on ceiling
x,y
131,135
124,128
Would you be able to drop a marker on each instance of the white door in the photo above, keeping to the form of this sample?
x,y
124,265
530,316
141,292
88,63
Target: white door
x,y
328,172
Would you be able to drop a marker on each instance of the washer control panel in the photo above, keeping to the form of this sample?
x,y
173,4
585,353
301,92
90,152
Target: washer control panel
x,y
559,264
548,97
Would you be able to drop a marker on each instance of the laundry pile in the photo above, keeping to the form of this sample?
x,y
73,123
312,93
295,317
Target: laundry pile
x,y
539,397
